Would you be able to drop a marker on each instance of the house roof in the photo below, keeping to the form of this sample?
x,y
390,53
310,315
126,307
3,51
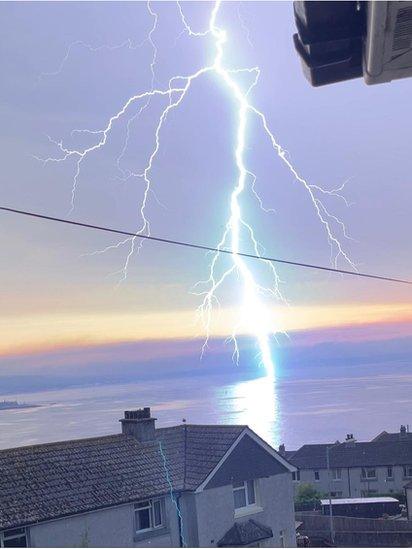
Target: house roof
x,y
358,454
53,480
245,533
384,436
287,454
367,454
309,456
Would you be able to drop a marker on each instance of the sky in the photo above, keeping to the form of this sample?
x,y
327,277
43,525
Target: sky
x,y
64,67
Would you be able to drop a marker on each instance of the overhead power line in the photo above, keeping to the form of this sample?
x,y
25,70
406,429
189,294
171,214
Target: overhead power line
x,y
202,246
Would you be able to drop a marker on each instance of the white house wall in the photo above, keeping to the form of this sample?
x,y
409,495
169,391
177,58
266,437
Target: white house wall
x,y
352,484
113,527
215,511
409,502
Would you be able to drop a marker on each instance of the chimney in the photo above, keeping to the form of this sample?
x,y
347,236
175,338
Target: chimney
x,y
350,439
139,424
282,449
403,433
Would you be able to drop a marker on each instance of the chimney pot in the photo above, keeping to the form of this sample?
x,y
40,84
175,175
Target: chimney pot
x,y
282,449
139,424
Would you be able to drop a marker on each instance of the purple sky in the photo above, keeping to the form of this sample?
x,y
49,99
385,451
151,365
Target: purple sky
x,y
343,132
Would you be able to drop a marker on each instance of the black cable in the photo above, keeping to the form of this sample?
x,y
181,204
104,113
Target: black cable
x,y
202,247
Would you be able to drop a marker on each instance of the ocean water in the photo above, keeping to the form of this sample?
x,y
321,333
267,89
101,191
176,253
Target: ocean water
x,y
291,410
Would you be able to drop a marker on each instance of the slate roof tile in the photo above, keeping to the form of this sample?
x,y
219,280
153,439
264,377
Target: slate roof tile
x,y
359,454
245,533
392,437
63,478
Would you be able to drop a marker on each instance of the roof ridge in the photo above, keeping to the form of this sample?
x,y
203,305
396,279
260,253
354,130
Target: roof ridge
x,y
202,425
217,425
102,437
55,442
372,443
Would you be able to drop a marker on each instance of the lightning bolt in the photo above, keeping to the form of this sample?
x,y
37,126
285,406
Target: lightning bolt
x,y
80,44
172,493
252,308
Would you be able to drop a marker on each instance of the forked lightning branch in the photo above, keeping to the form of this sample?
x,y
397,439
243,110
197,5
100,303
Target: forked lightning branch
x,y
253,303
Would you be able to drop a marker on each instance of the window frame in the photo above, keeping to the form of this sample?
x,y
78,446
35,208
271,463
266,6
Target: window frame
x,y
366,473
243,485
296,475
390,476
317,476
407,471
19,533
337,474
150,505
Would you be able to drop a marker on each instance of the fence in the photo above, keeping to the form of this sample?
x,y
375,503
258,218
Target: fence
x,y
357,532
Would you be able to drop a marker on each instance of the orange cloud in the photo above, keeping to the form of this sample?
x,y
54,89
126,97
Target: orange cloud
x,y
34,333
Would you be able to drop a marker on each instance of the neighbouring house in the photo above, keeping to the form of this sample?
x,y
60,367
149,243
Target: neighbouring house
x,y
403,434
355,469
188,485
408,493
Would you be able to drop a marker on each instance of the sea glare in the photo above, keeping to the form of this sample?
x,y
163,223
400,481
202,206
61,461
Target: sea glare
x,y
293,411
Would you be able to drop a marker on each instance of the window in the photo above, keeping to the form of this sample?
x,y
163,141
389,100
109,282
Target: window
x,y
317,475
13,538
337,474
336,494
148,514
282,538
368,473
244,494
389,472
407,471
296,476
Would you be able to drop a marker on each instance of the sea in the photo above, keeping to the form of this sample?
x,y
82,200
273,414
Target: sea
x,y
321,406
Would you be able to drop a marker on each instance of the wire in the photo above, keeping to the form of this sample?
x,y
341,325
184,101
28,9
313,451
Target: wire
x,y
203,247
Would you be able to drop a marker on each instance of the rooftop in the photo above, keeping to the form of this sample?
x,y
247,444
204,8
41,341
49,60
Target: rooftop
x,y
63,478
403,434
357,454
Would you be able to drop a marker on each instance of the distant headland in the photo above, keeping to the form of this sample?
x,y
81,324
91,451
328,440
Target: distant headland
x,y
14,404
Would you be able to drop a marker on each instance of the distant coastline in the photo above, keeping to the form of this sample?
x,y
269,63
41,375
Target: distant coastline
x,y
14,404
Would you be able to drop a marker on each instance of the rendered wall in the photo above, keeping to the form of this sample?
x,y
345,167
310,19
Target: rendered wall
x,y
112,527
216,513
352,483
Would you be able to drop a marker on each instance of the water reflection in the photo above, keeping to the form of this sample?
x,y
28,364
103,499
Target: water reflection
x,y
254,403
296,410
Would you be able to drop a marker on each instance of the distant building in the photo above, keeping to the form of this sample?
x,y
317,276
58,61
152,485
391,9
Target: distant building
x,y
193,485
402,434
408,493
356,469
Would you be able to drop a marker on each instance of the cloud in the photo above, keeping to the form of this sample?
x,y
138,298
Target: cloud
x,y
37,333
